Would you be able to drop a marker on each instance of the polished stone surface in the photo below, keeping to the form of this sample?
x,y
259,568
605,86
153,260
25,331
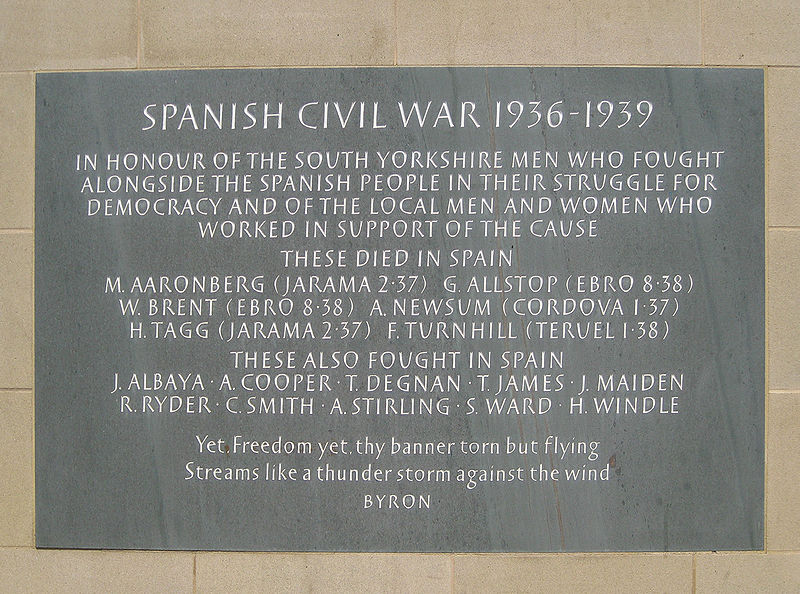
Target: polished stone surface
x,y
687,476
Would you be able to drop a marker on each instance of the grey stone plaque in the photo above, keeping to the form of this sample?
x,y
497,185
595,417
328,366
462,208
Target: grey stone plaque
x,y
406,309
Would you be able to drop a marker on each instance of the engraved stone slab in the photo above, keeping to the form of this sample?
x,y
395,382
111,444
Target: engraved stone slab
x,y
406,309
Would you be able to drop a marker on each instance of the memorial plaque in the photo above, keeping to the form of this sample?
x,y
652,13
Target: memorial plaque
x,y
404,309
